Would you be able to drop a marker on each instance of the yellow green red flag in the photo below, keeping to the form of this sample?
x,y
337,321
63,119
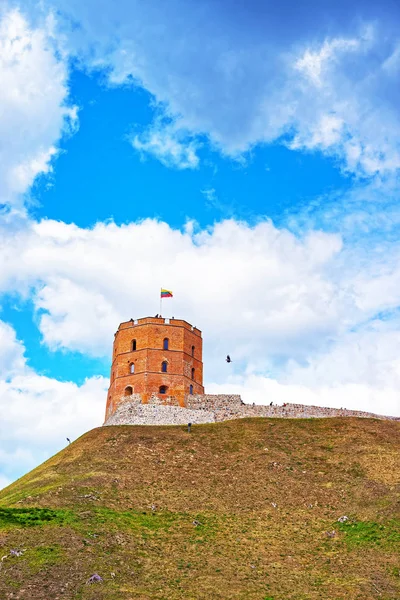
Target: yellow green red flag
x,y
166,293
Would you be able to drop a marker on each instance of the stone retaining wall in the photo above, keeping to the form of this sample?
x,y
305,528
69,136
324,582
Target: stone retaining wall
x,y
209,408
131,413
293,411
232,407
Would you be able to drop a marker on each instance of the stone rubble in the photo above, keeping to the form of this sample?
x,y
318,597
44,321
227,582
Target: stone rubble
x,y
132,413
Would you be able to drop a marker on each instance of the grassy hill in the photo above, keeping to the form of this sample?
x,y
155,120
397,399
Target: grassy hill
x,y
242,509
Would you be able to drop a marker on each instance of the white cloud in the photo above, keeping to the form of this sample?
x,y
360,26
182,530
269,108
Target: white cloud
x,y
326,133
38,412
74,324
313,64
295,309
33,108
171,146
11,352
263,390
368,356
210,196
268,280
340,109
330,88
42,412
4,481
392,63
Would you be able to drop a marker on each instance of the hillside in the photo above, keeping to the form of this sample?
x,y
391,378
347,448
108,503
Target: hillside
x,y
241,509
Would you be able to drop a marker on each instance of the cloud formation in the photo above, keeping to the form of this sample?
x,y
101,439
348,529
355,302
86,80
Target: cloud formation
x,y
85,281
33,107
38,412
12,359
172,147
213,73
294,309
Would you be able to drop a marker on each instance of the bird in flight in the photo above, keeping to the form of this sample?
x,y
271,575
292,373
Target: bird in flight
x,y
228,359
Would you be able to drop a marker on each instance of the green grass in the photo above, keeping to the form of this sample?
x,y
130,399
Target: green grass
x,y
44,556
234,511
32,517
131,520
370,533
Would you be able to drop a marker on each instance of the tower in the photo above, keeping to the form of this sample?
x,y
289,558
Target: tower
x,y
155,357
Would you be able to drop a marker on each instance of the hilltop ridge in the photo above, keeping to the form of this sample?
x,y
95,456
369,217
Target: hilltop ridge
x,y
241,509
211,408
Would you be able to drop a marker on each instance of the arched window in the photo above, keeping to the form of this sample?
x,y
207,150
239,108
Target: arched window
x,y
191,389
133,345
132,368
193,373
192,350
163,389
128,391
165,343
164,366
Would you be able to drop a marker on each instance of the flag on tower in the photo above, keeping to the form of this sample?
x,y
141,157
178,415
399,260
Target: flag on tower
x,y
166,293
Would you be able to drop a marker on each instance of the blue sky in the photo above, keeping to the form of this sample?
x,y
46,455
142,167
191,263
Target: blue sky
x,y
99,164
244,155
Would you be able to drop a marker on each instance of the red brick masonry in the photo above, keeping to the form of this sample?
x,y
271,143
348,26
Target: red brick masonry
x,y
140,343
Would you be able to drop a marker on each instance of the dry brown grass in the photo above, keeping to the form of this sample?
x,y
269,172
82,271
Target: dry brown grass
x,y
265,492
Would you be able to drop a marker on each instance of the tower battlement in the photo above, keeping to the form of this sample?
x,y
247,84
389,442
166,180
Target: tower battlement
x,y
154,357
157,321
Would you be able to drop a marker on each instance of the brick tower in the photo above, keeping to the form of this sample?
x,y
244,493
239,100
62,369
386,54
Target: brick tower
x,y
155,357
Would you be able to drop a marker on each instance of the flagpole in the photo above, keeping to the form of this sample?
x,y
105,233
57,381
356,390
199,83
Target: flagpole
x,y
160,303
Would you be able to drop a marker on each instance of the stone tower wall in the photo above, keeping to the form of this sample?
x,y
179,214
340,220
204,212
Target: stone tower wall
x,y
184,353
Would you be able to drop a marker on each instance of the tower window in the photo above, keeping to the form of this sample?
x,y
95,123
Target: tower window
x,y
128,391
192,350
164,366
132,368
163,389
190,389
133,345
166,344
193,373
